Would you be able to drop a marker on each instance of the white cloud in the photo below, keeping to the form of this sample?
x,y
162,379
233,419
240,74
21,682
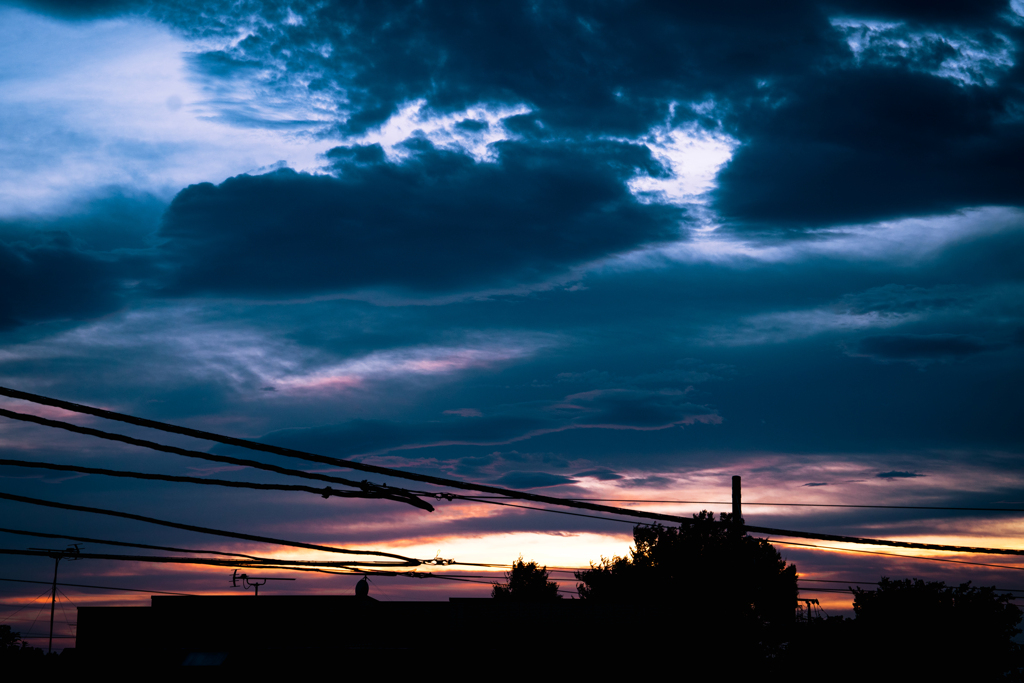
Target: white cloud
x,y
410,362
202,349
693,154
93,104
128,103
443,131
904,241
784,326
969,59
293,19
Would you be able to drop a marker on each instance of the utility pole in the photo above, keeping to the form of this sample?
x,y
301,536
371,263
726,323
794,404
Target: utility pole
x,y
71,551
737,512
53,602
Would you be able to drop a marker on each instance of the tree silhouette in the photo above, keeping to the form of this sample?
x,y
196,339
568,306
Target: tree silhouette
x,y
941,631
526,583
10,641
710,573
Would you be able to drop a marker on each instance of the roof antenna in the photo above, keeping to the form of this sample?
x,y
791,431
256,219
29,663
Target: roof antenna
x,y
252,581
71,554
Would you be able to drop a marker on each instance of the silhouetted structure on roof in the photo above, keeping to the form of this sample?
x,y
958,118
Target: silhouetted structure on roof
x,y
358,631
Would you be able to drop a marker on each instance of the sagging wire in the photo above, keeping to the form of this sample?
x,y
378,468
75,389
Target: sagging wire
x,y
368,489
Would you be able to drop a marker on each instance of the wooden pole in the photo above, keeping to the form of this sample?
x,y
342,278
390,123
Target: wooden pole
x,y
53,601
737,512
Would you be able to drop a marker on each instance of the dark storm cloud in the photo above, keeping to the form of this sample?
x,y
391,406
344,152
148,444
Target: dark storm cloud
x,y
955,11
828,136
75,266
646,482
965,54
532,480
896,474
874,143
54,280
914,347
115,221
437,221
601,474
991,258
611,67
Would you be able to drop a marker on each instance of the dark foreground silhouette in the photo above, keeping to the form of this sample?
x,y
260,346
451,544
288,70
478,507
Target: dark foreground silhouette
x,y
526,583
724,597
709,588
919,630
699,600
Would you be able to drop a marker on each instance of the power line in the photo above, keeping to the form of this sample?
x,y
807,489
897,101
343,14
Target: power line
x,y
107,588
241,556
369,490
805,534
27,604
204,530
875,583
798,534
805,505
234,559
906,557
440,481
84,539
341,568
881,541
558,512
294,565
324,492
286,452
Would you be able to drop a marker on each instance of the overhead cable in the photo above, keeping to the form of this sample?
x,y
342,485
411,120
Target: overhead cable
x,y
882,541
804,505
368,490
204,530
905,557
530,507
324,492
85,585
125,544
797,534
439,481
292,453
291,565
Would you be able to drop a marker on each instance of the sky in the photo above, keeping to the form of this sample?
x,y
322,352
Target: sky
x,y
614,249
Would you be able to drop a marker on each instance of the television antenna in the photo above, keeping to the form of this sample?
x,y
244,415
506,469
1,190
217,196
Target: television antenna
x,y
70,553
808,614
245,581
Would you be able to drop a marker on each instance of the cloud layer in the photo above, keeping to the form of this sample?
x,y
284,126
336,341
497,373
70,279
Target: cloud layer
x,y
438,220
614,250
